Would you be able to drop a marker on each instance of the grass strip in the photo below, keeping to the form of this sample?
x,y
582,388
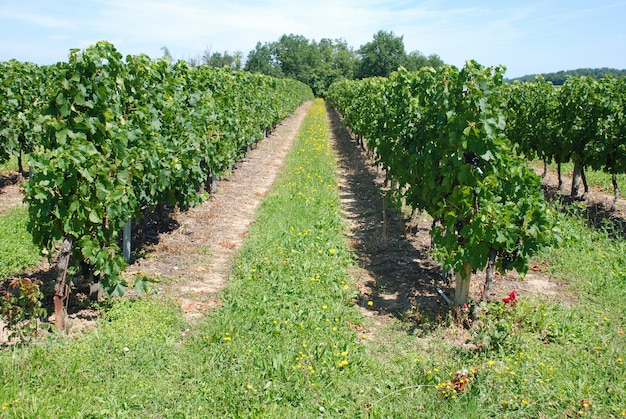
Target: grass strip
x,y
542,357
282,344
17,251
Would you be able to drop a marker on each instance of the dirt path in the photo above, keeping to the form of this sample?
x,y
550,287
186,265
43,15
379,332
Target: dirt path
x,y
11,191
194,261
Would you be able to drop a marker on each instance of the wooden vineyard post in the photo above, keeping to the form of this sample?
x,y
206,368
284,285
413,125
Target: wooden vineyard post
x,y
61,290
463,278
213,178
489,274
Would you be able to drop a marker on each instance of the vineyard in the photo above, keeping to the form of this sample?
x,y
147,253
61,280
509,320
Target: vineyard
x,y
310,323
110,139
581,122
451,141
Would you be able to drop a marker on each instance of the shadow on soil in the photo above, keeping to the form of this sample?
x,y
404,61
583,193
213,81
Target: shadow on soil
x,y
396,272
599,215
9,179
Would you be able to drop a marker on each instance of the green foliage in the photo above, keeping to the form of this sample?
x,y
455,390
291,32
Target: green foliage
x,y
120,136
532,115
21,88
583,121
320,64
282,344
317,64
263,59
578,122
440,135
384,54
142,286
8,165
81,183
225,59
559,77
495,326
565,357
608,149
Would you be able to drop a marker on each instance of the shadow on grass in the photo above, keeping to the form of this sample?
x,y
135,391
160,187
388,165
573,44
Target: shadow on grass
x,y
598,215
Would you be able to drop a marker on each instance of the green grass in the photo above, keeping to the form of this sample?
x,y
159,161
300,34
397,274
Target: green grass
x,y
17,251
126,367
287,341
9,165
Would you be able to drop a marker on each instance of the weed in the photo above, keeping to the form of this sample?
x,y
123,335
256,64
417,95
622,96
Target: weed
x,y
21,305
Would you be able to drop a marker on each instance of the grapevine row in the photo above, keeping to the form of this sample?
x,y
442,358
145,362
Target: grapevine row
x,y
584,121
116,136
440,134
21,90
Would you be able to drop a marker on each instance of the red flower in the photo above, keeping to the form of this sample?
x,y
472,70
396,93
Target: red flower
x,y
512,298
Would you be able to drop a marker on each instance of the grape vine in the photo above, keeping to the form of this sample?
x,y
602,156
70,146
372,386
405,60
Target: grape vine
x,y
119,136
21,88
441,136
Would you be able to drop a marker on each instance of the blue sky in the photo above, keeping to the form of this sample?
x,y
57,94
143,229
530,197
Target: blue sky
x,y
525,36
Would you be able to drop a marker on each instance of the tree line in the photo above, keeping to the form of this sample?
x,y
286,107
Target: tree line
x,y
320,64
560,77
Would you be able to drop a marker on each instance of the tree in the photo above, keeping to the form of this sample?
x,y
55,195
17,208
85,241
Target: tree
x,y
345,60
264,59
313,63
225,59
416,60
384,54
435,61
320,64
336,61
297,57
237,63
